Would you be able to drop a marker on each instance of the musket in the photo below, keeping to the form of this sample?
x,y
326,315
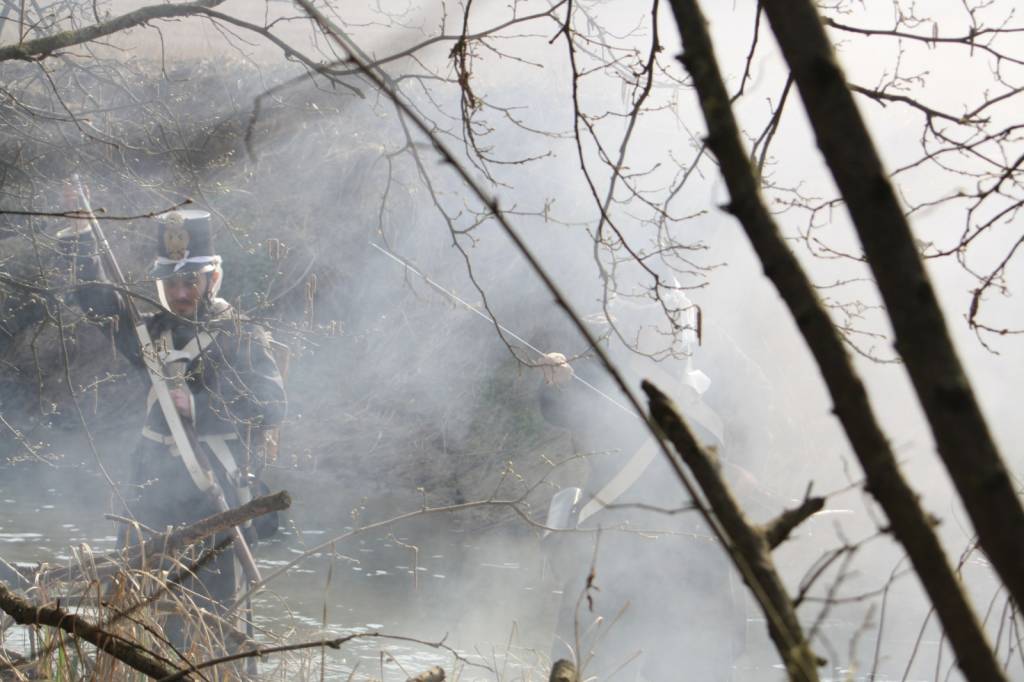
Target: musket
x,y
505,330
566,508
196,461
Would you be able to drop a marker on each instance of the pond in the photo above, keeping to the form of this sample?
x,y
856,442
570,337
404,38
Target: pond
x,y
485,594
482,588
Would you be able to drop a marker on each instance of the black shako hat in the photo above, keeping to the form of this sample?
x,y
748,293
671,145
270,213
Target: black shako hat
x,y
184,244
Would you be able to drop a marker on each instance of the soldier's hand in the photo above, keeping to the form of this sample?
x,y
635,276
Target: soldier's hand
x,y
182,401
556,368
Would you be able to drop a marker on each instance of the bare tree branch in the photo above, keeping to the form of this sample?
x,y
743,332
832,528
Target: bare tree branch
x,y
778,529
922,339
129,653
167,544
41,48
753,544
910,525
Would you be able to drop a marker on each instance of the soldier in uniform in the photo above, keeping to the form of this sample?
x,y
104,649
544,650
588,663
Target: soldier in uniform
x,y
664,602
224,383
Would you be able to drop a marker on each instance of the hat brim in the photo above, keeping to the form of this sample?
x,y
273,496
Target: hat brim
x,y
163,271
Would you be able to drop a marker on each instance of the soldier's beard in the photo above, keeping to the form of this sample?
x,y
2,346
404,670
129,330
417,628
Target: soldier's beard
x,y
199,309
191,306
185,308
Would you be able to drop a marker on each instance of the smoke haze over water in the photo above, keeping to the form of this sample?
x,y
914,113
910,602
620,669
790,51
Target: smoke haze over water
x,y
401,398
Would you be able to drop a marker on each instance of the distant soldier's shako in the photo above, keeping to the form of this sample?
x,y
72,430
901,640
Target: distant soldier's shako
x,y
184,244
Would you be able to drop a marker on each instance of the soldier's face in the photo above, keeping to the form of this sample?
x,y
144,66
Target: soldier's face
x,y
184,292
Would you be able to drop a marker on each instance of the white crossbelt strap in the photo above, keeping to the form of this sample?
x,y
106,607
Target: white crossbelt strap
x,y
160,370
175,362
695,411
219,446
621,482
163,395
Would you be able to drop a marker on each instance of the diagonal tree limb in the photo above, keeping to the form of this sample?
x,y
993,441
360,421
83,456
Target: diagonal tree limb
x,y
922,339
909,523
123,650
161,545
40,48
784,628
178,539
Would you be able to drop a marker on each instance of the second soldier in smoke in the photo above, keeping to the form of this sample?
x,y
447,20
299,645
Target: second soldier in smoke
x,y
653,593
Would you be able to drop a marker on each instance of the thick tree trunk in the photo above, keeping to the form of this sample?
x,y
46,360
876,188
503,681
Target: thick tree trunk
x,y
884,480
962,436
